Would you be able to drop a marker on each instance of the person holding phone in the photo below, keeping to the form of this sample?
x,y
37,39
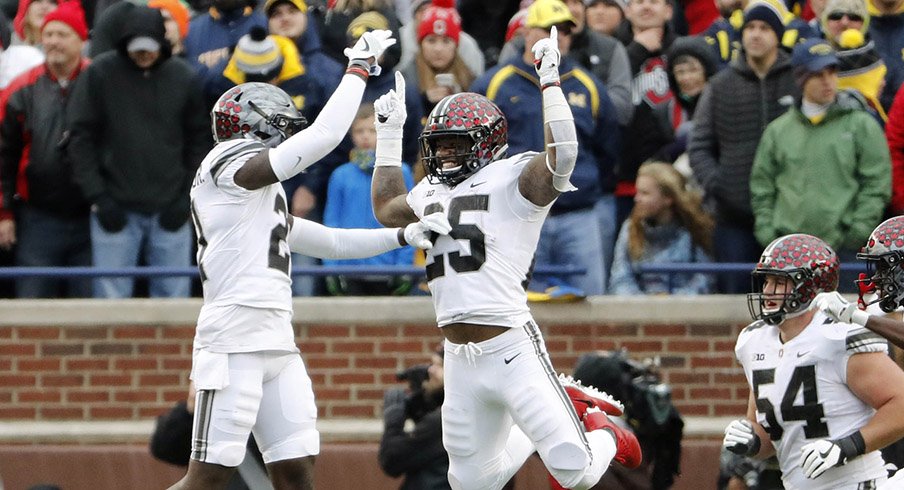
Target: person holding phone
x,y
438,70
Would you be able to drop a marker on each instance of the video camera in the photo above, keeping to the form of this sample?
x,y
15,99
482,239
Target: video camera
x,y
415,375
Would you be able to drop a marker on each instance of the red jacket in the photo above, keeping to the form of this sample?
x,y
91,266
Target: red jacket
x,y
894,133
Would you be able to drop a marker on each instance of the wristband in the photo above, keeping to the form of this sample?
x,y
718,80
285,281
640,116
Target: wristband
x,y
859,317
388,152
851,446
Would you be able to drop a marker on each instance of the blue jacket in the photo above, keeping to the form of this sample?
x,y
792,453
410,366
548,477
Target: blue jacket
x,y
668,243
515,88
348,206
887,31
212,36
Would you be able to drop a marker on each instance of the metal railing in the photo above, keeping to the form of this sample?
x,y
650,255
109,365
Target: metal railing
x,y
722,268
317,271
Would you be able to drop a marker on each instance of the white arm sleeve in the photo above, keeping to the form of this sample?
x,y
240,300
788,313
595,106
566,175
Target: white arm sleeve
x,y
315,240
557,115
313,143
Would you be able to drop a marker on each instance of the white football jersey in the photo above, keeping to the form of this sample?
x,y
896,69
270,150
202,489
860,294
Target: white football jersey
x,y
243,255
801,394
479,272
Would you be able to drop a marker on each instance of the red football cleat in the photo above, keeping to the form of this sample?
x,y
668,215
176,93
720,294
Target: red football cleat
x,y
584,397
627,449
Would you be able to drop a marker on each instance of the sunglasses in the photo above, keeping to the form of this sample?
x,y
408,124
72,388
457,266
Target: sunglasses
x,y
836,16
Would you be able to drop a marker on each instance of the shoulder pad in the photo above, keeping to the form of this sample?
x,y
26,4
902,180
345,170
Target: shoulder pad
x,y
230,151
859,340
748,332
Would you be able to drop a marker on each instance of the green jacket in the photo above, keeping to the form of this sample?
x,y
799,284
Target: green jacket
x,y
831,179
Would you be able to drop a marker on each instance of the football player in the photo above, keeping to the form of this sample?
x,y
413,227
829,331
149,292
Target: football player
x,y
503,400
824,395
884,255
245,365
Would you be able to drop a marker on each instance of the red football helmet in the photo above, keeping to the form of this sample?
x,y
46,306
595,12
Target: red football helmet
x,y
463,115
884,253
808,262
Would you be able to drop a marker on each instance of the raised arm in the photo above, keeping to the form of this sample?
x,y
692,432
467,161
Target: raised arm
x,y
548,173
304,149
388,190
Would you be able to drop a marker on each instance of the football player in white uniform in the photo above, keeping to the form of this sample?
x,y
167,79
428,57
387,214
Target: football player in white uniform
x,y
245,365
503,400
824,395
884,255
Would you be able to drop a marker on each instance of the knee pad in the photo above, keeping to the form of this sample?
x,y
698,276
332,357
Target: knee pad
x,y
567,456
298,445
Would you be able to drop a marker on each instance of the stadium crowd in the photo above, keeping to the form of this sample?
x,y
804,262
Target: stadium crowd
x,y
705,129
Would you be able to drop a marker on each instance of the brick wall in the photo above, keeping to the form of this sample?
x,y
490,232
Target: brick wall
x,y
129,360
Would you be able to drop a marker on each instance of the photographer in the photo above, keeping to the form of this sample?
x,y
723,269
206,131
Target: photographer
x,y
649,412
418,454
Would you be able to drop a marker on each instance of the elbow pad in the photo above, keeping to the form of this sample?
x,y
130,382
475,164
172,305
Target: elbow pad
x,y
560,121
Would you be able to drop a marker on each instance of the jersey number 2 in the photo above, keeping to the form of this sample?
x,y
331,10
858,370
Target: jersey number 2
x,y
276,258
472,233
802,380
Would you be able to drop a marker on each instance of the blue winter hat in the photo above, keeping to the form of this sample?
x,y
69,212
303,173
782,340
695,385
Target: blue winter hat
x,y
768,13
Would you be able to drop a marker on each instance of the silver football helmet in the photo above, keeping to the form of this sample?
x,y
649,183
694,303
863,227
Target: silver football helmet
x,y
257,111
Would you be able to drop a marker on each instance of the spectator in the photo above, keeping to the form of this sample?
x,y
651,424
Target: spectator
x,y
138,133
348,206
571,234
728,43
213,34
821,137
649,413
467,46
418,454
24,49
289,18
725,34
730,119
346,20
274,60
886,29
647,36
42,210
175,19
438,69
689,67
667,225
601,54
604,16
860,67
894,133
384,82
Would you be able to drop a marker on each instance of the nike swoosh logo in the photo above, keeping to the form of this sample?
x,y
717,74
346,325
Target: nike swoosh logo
x,y
824,454
801,354
510,359
475,184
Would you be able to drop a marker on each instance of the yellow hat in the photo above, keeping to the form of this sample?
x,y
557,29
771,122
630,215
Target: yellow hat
x,y
547,13
299,4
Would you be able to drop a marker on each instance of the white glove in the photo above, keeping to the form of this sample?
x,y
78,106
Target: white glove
x,y
834,305
740,438
418,234
547,58
819,456
390,111
371,44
